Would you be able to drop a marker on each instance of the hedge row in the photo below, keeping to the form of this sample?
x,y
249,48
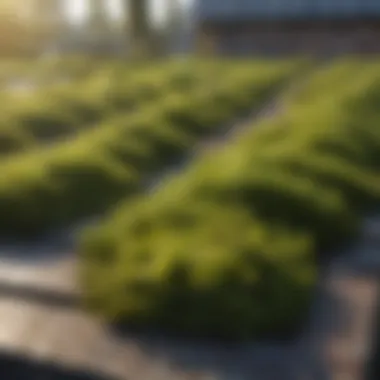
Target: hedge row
x,y
63,110
80,178
228,247
330,79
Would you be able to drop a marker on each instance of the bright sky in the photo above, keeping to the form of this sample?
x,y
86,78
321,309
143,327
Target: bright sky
x,y
77,8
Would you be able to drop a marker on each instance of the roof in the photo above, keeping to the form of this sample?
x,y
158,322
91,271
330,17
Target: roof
x,y
261,9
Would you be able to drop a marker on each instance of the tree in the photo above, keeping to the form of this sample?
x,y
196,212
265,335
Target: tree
x,y
174,25
98,26
98,20
139,29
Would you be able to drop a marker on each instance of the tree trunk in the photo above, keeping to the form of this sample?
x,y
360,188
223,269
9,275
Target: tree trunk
x,y
97,17
98,27
175,22
139,29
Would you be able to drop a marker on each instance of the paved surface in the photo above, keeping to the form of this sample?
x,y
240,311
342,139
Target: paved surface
x,y
339,338
56,276
335,345
72,338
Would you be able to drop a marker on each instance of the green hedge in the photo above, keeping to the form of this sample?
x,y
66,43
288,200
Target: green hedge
x,y
79,178
65,109
62,110
176,271
228,248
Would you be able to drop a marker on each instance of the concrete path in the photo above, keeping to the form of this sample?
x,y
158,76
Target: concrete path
x,y
338,341
71,338
336,344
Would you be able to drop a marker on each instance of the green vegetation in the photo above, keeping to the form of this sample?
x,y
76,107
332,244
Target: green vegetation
x,y
64,109
228,247
58,185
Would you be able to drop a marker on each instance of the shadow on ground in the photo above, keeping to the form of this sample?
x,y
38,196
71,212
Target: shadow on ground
x,y
214,359
47,248
21,368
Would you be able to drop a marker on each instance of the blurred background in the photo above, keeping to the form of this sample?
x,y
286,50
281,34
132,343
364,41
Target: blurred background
x,y
162,27
54,27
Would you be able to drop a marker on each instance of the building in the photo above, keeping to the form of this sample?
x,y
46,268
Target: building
x,y
284,27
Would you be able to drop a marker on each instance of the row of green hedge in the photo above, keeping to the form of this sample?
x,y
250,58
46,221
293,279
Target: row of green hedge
x,y
62,110
228,247
57,186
